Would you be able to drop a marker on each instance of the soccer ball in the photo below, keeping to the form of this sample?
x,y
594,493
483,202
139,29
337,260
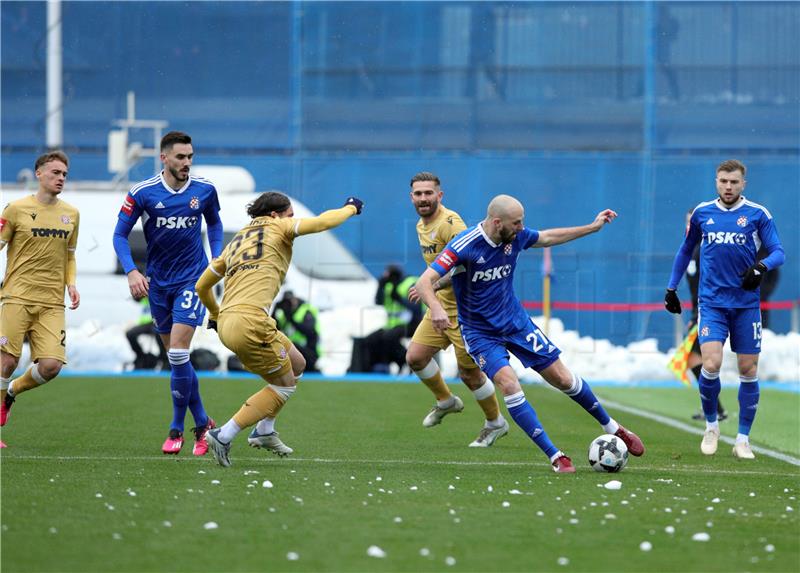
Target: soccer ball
x,y
608,453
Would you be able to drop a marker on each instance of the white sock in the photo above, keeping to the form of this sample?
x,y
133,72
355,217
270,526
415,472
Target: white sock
x,y
497,423
742,439
4,382
611,427
712,425
266,426
229,431
446,403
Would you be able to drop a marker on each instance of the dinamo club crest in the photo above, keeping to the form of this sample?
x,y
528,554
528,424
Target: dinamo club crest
x,y
507,249
194,203
742,221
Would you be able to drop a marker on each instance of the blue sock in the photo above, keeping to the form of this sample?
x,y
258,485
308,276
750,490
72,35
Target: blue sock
x,y
748,403
196,403
583,395
180,382
525,417
709,393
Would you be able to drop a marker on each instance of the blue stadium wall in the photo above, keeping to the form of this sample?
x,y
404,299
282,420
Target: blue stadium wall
x,y
570,107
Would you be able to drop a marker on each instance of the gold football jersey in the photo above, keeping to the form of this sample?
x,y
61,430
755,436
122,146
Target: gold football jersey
x,y
432,239
255,262
40,239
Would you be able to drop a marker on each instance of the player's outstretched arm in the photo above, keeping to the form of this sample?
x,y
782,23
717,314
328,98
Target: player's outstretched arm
x,y
552,237
330,219
425,291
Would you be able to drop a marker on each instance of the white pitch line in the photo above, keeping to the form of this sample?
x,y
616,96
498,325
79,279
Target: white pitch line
x,y
697,431
270,460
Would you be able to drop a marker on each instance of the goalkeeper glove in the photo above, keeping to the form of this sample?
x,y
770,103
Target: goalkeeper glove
x,y
355,202
751,278
672,302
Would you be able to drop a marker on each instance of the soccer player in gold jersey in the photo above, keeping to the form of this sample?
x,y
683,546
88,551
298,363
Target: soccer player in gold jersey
x,y
41,232
436,226
254,265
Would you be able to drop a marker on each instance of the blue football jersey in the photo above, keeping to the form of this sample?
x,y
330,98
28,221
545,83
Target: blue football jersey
x,y
483,281
172,226
729,240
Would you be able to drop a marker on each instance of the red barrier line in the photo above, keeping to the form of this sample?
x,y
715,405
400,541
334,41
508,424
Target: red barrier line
x,y
636,307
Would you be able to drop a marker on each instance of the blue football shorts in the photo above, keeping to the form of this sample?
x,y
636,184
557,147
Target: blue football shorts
x,y
742,324
529,345
177,304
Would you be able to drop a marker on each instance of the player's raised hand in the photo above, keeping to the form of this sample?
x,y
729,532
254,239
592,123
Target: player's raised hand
x,y
671,301
138,285
604,217
74,297
355,202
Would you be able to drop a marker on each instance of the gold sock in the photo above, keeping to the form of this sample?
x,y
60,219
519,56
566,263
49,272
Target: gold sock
x,y
436,385
24,382
266,403
490,407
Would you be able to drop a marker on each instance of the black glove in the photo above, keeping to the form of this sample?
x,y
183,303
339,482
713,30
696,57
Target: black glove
x,y
751,278
355,202
672,302
212,325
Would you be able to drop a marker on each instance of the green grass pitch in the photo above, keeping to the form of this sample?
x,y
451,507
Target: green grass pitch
x,y
85,487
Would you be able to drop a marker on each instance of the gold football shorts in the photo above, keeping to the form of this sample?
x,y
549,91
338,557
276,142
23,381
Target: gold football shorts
x,y
43,325
254,337
425,334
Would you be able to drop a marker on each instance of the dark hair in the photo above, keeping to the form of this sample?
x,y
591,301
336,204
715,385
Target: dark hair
x,y
51,156
172,138
732,165
267,203
425,176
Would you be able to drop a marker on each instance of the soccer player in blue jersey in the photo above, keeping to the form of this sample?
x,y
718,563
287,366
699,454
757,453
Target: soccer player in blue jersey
x,y
170,205
730,231
493,322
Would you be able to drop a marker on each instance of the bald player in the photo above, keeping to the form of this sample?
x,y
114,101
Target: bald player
x,y
41,232
437,225
254,265
493,322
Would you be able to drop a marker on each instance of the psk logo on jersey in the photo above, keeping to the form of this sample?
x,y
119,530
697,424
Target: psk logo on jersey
x,y
65,219
726,238
507,249
495,273
742,221
194,203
